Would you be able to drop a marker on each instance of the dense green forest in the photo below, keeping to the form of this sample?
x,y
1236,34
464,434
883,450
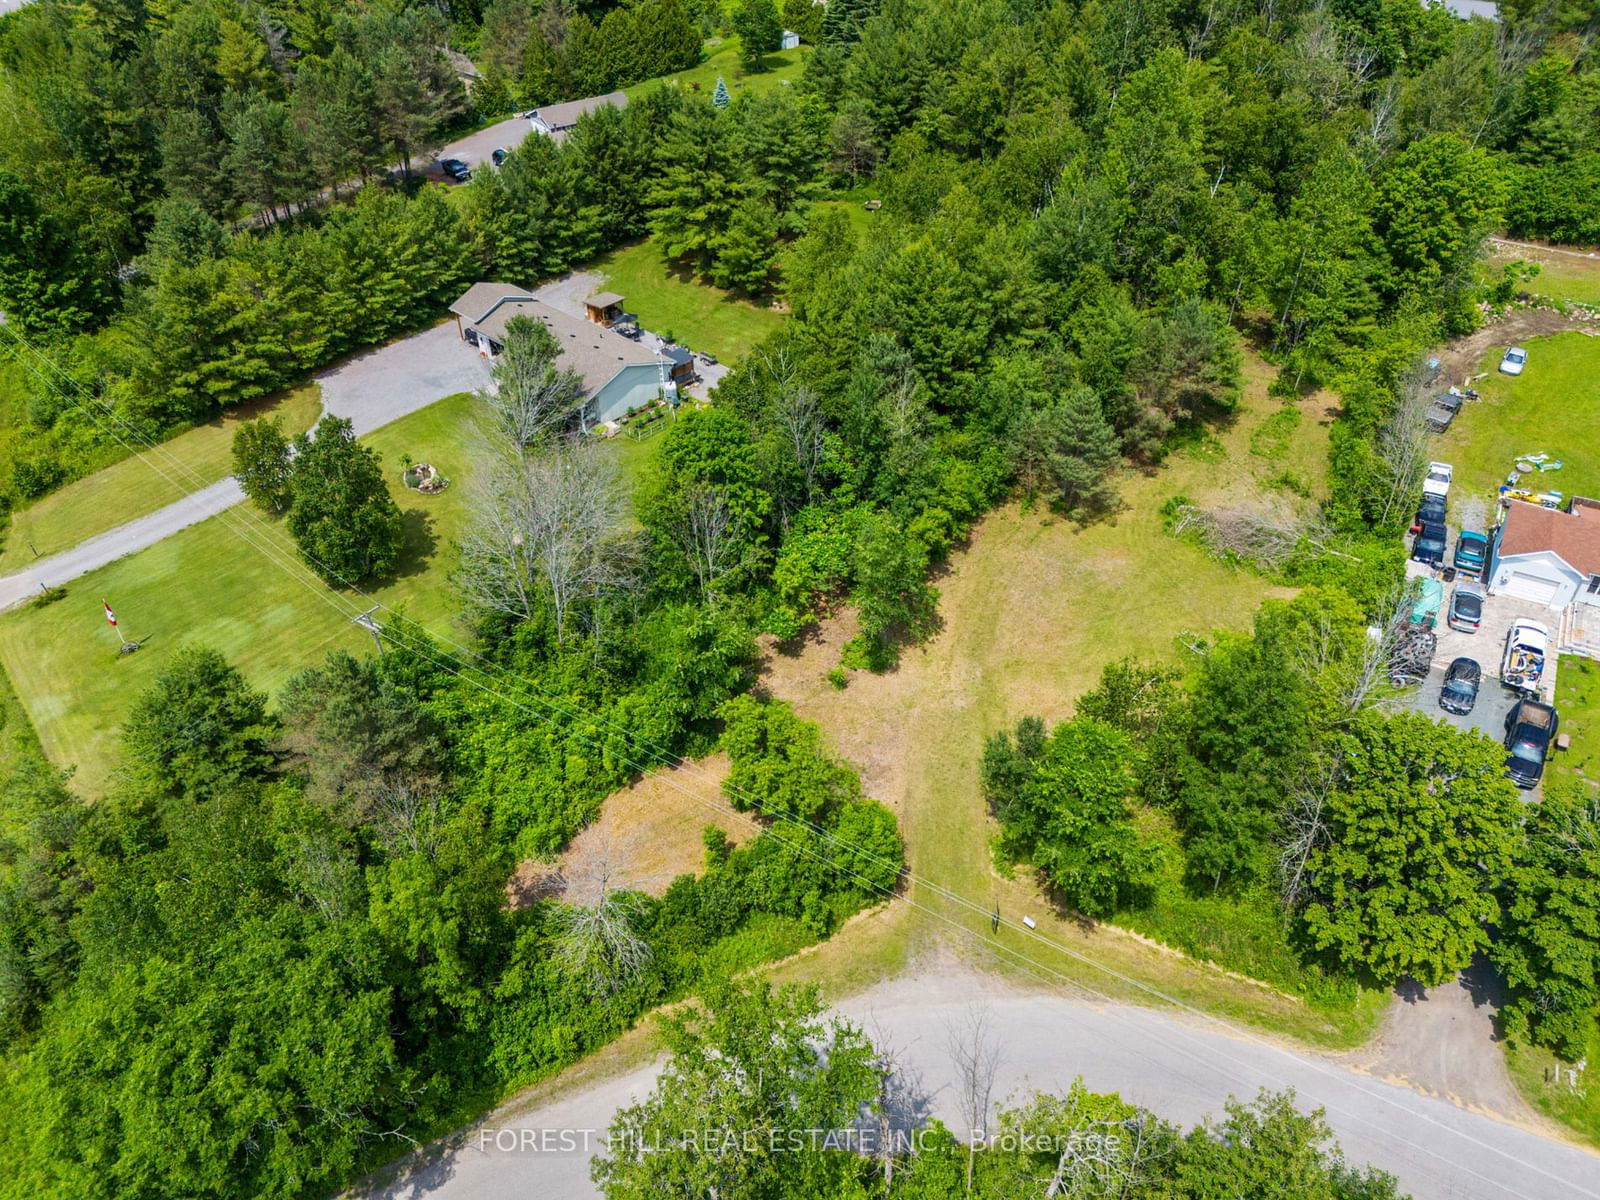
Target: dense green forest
x,y
1089,210
1390,845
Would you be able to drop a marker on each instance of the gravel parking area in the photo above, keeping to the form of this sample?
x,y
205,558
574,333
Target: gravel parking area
x,y
1487,716
385,384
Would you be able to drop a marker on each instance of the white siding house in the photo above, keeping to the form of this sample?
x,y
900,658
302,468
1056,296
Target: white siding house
x,y
1547,557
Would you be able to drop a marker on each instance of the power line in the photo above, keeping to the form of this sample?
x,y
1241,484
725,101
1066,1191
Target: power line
x,y
663,757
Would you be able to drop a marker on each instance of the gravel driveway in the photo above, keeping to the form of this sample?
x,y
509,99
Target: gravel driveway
x,y
383,385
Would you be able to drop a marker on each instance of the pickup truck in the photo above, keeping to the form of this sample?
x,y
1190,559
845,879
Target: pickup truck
x,y
1530,728
1438,479
1523,666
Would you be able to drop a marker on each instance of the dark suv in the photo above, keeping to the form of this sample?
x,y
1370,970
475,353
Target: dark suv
x,y
456,169
1428,546
1530,728
1430,512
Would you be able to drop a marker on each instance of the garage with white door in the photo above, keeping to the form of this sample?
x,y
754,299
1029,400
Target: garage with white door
x,y
1544,556
1525,585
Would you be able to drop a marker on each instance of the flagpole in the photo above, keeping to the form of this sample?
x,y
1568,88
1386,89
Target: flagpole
x,y
124,646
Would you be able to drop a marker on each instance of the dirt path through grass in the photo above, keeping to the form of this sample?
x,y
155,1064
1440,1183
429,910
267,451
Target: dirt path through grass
x,y
1033,608
1459,361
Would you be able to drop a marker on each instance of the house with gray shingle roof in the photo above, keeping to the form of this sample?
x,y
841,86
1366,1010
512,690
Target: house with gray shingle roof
x,y
618,374
555,120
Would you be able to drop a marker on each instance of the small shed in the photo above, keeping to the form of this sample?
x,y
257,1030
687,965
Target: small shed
x,y
603,307
680,365
789,41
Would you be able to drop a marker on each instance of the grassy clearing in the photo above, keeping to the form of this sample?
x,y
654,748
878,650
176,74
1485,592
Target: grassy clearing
x,y
648,833
722,59
18,742
1034,608
137,486
1578,702
233,582
1563,278
1549,408
1534,1071
671,301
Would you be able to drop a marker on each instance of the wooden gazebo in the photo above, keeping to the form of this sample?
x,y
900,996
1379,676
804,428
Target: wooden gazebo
x,y
603,307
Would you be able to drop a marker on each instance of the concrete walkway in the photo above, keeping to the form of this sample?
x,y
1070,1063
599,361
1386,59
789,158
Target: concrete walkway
x,y
372,390
1182,1069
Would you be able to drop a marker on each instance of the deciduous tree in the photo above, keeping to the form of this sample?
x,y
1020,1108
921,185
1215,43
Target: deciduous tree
x,y
263,463
1420,834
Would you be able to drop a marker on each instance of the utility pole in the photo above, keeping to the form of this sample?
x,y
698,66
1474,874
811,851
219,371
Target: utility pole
x,y
366,621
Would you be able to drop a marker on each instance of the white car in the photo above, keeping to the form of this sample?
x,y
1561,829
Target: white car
x,y
1438,481
1513,362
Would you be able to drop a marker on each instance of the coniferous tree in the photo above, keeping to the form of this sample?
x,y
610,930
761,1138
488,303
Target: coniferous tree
x,y
694,197
344,522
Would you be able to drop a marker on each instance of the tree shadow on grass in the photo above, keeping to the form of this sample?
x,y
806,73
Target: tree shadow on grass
x,y
418,544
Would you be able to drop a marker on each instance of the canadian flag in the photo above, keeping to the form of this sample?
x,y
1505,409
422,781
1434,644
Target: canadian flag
x,y
111,617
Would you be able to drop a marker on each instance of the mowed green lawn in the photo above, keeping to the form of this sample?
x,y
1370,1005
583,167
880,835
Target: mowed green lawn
x,y
1578,702
672,301
722,59
1553,407
235,583
143,483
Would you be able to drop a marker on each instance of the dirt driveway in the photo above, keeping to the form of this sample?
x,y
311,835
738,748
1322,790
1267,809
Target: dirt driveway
x,y
1459,360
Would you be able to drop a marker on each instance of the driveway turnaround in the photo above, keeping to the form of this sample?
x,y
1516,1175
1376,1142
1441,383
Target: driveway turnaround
x,y
1181,1068
372,389
383,385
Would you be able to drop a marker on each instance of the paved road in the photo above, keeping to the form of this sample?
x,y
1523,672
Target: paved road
x,y
1180,1069
371,389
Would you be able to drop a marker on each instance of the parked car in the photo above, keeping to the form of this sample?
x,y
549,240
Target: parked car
x,y
1472,551
1437,482
1431,510
1431,370
1428,545
1530,728
1443,410
498,155
1466,607
456,169
1460,690
1516,358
